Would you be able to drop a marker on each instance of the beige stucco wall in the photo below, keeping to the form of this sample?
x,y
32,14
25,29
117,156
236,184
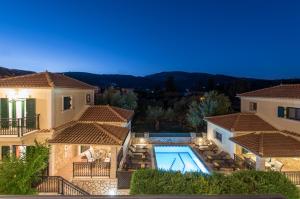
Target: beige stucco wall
x,y
61,155
267,110
78,104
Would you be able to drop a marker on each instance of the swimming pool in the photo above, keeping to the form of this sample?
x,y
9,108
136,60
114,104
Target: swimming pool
x,y
178,158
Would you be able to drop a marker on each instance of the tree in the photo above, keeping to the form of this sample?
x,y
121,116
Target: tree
x,y
155,114
17,174
211,104
180,108
193,116
129,100
214,103
116,98
169,114
170,84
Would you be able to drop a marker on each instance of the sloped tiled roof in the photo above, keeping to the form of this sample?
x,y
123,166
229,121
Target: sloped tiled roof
x,y
43,80
281,91
91,133
106,113
241,122
269,144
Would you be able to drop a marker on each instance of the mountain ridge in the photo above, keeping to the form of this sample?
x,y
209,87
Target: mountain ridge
x,y
182,80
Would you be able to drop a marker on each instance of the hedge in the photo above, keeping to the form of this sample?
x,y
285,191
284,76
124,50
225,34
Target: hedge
x,y
149,181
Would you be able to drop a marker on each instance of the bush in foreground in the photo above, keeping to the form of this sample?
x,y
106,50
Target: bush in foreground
x,y
18,174
243,182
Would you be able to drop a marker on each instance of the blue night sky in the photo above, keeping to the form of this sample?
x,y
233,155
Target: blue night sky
x,y
241,38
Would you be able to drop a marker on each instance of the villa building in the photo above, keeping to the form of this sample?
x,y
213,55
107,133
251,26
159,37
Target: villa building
x,y
87,142
267,131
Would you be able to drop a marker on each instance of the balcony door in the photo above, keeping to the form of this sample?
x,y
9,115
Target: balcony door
x,y
14,109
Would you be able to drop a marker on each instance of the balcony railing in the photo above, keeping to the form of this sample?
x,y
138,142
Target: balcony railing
x,y
91,169
293,176
18,126
57,184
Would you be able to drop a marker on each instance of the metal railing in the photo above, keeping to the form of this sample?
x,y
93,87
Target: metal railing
x,y
59,185
293,176
19,126
91,169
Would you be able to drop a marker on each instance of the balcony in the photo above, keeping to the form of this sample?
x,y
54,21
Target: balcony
x,y
18,126
91,169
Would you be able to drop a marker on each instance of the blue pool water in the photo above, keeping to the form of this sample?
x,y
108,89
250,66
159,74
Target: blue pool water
x,y
178,158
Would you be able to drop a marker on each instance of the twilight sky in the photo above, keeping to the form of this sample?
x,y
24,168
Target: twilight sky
x,y
252,38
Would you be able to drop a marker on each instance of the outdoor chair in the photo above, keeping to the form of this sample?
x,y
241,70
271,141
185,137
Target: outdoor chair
x,y
277,166
220,155
137,150
89,155
140,156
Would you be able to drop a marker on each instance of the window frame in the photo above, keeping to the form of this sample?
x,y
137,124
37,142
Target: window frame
x,y
296,113
63,103
281,108
88,98
218,136
253,106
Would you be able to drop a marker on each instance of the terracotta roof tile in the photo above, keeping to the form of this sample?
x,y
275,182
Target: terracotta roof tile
x,y
241,122
269,144
91,133
44,80
280,91
105,113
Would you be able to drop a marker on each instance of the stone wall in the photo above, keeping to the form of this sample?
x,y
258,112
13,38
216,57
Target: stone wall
x,y
97,186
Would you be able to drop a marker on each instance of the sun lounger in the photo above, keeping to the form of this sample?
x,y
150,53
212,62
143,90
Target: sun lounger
x,y
138,150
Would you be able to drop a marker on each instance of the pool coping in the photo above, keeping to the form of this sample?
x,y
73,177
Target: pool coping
x,y
193,150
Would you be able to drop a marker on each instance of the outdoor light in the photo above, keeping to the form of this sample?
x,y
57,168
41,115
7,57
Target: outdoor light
x,y
23,94
14,94
11,94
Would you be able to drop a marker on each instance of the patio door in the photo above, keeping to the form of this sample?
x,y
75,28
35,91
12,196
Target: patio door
x,y
16,110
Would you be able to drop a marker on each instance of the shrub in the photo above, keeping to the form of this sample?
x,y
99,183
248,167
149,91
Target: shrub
x,y
243,182
18,174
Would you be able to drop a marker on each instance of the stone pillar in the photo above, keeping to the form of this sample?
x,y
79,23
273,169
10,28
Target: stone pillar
x,y
260,163
52,160
113,162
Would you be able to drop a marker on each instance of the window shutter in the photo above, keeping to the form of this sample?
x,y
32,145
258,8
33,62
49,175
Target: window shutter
x,y
280,111
31,114
5,150
4,112
14,113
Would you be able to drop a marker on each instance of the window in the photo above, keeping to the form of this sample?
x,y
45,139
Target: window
x,y
253,106
293,113
280,111
67,103
19,151
88,98
218,136
5,151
